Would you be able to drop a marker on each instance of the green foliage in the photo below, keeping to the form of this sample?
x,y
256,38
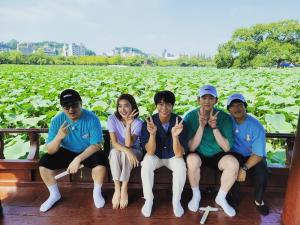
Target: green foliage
x,y
262,45
29,94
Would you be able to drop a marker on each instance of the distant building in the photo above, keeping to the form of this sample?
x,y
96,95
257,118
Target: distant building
x,y
49,51
73,49
127,51
26,48
4,48
168,56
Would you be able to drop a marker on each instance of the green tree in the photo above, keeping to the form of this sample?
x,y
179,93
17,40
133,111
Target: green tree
x,y
261,45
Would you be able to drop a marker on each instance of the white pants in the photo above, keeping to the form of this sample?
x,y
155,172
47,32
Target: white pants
x,y
119,164
176,165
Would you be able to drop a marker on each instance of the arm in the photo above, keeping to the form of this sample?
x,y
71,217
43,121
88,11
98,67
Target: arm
x,y
222,141
151,144
74,165
252,161
194,142
54,144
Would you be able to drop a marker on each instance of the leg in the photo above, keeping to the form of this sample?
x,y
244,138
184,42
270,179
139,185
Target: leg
x,y
149,164
115,168
178,166
230,167
124,195
261,178
98,174
194,163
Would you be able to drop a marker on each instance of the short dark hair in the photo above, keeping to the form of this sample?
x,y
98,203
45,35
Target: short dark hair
x,y
132,102
235,101
166,96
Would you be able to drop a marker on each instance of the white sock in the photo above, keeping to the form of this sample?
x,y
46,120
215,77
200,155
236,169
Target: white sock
x,y
221,201
177,208
147,208
195,201
54,197
97,196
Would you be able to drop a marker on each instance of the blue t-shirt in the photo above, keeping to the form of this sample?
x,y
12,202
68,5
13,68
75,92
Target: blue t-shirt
x,y
164,140
84,132
249,137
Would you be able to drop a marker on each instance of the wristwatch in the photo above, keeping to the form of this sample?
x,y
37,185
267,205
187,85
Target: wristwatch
x,y
244,167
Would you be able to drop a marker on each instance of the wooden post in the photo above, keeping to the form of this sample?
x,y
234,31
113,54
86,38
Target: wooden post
x,y
34,145
291,207
1,145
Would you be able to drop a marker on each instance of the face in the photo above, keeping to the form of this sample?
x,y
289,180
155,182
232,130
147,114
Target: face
x,y
207,102
124,108
164,110
237,110
73,110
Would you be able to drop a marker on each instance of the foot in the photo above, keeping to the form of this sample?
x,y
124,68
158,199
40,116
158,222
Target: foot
x,y
98,200
225,206
116,199
262,208
50,202
177,209
147,208
124,198
194,203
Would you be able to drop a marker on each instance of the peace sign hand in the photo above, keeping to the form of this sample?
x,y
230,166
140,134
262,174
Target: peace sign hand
x,y
151,127
130,118
213,119
177,129
63,130
202,118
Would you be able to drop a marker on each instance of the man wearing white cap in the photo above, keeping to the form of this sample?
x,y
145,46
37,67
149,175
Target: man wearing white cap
x,y
210,137
250,144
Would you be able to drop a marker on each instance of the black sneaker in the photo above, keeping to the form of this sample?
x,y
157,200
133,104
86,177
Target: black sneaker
x,y
262,208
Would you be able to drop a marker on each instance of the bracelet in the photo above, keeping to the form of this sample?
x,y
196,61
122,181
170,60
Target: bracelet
x,y
214,128
245,167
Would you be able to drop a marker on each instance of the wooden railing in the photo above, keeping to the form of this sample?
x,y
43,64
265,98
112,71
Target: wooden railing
x,y
34,135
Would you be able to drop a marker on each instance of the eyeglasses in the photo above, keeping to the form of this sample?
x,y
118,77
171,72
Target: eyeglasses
x,y
74,105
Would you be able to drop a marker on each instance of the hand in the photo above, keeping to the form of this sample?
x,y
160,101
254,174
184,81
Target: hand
x,y
132,158
74,165
151,127
130,118
63,130
212,122
242,175
177,129
202,118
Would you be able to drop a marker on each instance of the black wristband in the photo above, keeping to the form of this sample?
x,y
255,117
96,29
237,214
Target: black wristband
x,y
245,167
214,128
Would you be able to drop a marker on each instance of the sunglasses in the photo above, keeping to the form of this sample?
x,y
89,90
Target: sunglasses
x,y
74,105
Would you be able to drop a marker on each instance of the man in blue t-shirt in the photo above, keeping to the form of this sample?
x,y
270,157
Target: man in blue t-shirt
x,y
164,139
74,138
250,148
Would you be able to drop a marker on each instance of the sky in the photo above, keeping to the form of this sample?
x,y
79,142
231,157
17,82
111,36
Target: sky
x,y
180,26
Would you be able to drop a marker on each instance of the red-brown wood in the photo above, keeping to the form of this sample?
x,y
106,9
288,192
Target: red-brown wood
x,y
291,210
21,206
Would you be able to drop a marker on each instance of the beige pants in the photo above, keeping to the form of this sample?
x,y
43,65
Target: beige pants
x,y
119,164
176,165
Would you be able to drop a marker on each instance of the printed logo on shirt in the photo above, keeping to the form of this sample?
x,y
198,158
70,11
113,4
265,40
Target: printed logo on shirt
x,y
85,136
248,138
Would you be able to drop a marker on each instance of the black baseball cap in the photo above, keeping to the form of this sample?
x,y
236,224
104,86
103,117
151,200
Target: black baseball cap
x,y
69,96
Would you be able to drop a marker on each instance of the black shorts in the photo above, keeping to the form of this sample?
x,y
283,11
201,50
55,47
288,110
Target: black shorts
x,y
63,157
213,161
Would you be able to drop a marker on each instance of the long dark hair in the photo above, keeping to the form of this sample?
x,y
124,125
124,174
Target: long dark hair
x,y
132,102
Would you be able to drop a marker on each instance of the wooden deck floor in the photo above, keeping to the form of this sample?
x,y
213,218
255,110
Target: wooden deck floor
x,y
21,206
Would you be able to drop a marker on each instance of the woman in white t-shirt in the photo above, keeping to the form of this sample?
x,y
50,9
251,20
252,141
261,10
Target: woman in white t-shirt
x,y
124,130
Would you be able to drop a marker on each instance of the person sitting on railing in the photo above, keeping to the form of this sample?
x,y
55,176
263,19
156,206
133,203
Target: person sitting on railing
x,y
210,139
250,146
164,139
124,129
74,138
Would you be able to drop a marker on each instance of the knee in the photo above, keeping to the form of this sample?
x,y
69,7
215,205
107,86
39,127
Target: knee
x,y
148,163
44,170
229,162
113,153
193,161
180,165
98,170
